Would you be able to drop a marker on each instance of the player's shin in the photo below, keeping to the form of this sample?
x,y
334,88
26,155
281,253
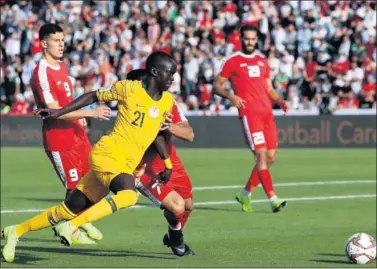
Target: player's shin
x,y
266,180
106,206
252,183
184,218
173,220
47,218
189,207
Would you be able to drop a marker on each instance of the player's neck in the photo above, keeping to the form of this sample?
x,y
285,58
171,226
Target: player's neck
x,y
51,60
150,88
248,53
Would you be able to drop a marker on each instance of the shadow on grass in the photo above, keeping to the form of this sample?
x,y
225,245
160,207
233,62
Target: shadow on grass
x,y
100,252
342,261
330,261
21,259
332,254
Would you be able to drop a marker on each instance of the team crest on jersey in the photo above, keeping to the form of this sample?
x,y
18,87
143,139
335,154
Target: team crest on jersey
x,y
260,63
154,112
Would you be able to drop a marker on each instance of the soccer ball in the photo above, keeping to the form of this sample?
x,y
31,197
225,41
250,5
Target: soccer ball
x,y
361,248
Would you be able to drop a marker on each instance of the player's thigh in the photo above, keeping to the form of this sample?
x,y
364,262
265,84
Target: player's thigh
x,y
107,165
253,130
92,187
148,187
181,183
189,204
66,166
271,134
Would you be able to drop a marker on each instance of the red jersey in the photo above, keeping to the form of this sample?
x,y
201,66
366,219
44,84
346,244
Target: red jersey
x,y
52,84
248,74
152,157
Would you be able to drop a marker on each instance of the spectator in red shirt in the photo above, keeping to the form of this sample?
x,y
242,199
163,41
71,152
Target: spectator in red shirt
x,y
19,107
370,86
348,101
310,68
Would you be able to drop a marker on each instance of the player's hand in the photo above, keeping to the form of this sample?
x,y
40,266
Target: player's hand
x,y
168,122
102,113
44,112
237,101
283,105
83,122
164,176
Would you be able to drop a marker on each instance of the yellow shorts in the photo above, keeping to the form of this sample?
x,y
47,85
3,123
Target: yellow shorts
x,y
92,187
107,160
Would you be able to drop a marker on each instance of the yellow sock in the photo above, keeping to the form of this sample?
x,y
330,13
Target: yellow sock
x,y
47,218
106,207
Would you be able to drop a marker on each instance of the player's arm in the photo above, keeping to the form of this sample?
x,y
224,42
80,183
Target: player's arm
x,y
181,130
84,100
160,145
275,97
220,83
102,112
117,92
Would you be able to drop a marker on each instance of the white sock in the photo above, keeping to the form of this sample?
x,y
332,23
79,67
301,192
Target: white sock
x,y
178,227
274,197
245,192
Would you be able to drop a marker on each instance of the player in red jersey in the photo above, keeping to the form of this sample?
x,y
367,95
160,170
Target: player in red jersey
x,y
175,196
65,141
249,74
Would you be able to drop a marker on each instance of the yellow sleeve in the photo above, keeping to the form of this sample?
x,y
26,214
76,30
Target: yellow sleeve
x,y
117,92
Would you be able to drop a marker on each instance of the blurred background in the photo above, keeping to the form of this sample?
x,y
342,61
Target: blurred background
x,y
322,54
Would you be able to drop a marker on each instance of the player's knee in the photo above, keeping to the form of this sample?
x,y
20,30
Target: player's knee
x,y
122,182
124,199
189,205
261,158
76,201
271,159
176,206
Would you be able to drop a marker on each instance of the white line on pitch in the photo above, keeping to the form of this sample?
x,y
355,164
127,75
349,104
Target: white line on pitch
x,y
290,184
314,198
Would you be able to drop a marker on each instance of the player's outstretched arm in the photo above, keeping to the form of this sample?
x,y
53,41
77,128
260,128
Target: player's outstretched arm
x,y
220,89
82,101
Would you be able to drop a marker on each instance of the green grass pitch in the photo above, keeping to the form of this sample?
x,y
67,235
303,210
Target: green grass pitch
x,y
331,196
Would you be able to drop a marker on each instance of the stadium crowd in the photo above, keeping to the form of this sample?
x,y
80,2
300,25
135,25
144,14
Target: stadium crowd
x,y
322,54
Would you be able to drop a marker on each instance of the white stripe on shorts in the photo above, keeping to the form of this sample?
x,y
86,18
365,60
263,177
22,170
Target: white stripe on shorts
x,y
247,133
143,190
59,166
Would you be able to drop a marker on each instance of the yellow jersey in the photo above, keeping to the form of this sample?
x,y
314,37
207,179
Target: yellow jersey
x,y
139,116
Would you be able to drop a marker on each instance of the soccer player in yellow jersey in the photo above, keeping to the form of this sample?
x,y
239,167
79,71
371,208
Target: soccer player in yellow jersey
x,y
142,108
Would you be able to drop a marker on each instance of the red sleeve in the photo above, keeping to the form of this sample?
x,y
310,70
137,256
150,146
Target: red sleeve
x,y
226,69
267,67
178,115
43,85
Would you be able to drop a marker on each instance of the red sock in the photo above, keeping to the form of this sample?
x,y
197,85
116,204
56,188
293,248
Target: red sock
x,y
184,217
253,181
266,180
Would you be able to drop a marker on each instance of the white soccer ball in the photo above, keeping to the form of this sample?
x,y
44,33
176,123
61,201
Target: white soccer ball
x,y
361,248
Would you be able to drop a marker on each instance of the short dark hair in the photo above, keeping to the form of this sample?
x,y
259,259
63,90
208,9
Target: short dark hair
x,y
247,27
48,29
156,57
136,74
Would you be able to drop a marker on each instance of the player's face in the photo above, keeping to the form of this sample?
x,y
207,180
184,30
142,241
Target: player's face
x,y
165,75
249,42
54,45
